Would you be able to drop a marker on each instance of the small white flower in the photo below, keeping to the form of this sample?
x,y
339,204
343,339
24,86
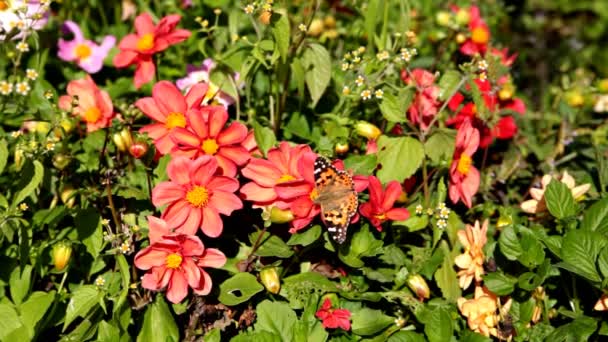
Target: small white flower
x,y
379,93
406,55
357,59
22,88
366,94
125,247
361,49
383,55
482,64
442,224
100,281
249,8
419,209
345,66
360,81
483,76
23,47
302,27
50,146
444,213
346,90
31,74
5,88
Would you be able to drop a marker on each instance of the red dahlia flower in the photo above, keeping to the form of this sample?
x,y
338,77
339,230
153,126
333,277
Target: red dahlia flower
x,y
425,105
205,135
380,206
195,196
477,43
333,318
177,261
169,108
94,105
464,177
138,48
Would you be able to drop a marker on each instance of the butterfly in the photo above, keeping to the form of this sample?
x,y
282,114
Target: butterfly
x,y
337,197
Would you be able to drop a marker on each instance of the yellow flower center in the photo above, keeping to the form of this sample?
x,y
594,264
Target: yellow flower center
x,y
285,178
480,35
175,120
210,146
380,217
314,194
198,196
92,115
4,5
146,42
173,261
464,164
82,51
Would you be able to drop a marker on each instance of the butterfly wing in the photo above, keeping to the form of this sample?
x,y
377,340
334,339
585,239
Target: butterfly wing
x,y
337,198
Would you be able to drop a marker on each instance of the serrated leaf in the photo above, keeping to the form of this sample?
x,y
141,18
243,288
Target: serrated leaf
x,y
88,226
306,237
19,282
264,137
499,283
270,245
559,200
361,164
446,277
239,288
82,300
440,146
509,243
277,318
317,63
280,31
448,84
366,322
34,308
440,326
35,180
400,158
159,325
596,217
393,107
580,249
9,321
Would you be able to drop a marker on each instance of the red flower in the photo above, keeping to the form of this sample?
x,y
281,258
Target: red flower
x,y
425,105
505,59
333,318
196,196
206,135
464,177
479,34
94,105
138,48
169,108
176,262
380,206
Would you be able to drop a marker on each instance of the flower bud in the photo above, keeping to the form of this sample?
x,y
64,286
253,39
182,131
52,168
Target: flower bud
x,y
42,127
67,125
463,16
506,92
461,38
265,17
417,284
68,196
62,252
270,279
504,220
138,149
602,85
280,216
341,147
316,28
367,130
329,21
574,98
19,155
443,18
61,161
123,140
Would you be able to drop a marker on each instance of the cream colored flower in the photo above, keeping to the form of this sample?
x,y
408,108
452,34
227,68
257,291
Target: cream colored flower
x,y
484,312
472,238
601,104
602,304
537,203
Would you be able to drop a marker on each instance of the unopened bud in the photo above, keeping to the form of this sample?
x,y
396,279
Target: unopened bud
x,y
316,28
62,252
265,17
443,18
329,21
19,155
602,85
138,149
61,161
270,278
68,196
280,216
506,92
463,16
461,38
341,147
417,284
367,130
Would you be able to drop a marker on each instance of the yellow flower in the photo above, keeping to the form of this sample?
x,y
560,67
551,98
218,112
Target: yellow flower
x,y
537,203
483,313
473,238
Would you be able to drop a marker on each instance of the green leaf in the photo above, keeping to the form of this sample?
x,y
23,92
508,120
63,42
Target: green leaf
x,y
559,200
440,146
580,249
264,137
35,180
366,322
363,244
602,262
34,309
446,277
361,164
499,283
107,332
509,243
393,107
280,31
439,327
448,84
3,154
596,217
406,336
82,300
306,237
9,321
371,20
19,282
578,330
159,325
400,158
239,288
88,226
270,246
317,63
125,275
276,318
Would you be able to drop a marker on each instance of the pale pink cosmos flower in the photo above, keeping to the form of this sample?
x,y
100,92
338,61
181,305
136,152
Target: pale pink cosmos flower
x,y
200,74
86,53
176,262
195,196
